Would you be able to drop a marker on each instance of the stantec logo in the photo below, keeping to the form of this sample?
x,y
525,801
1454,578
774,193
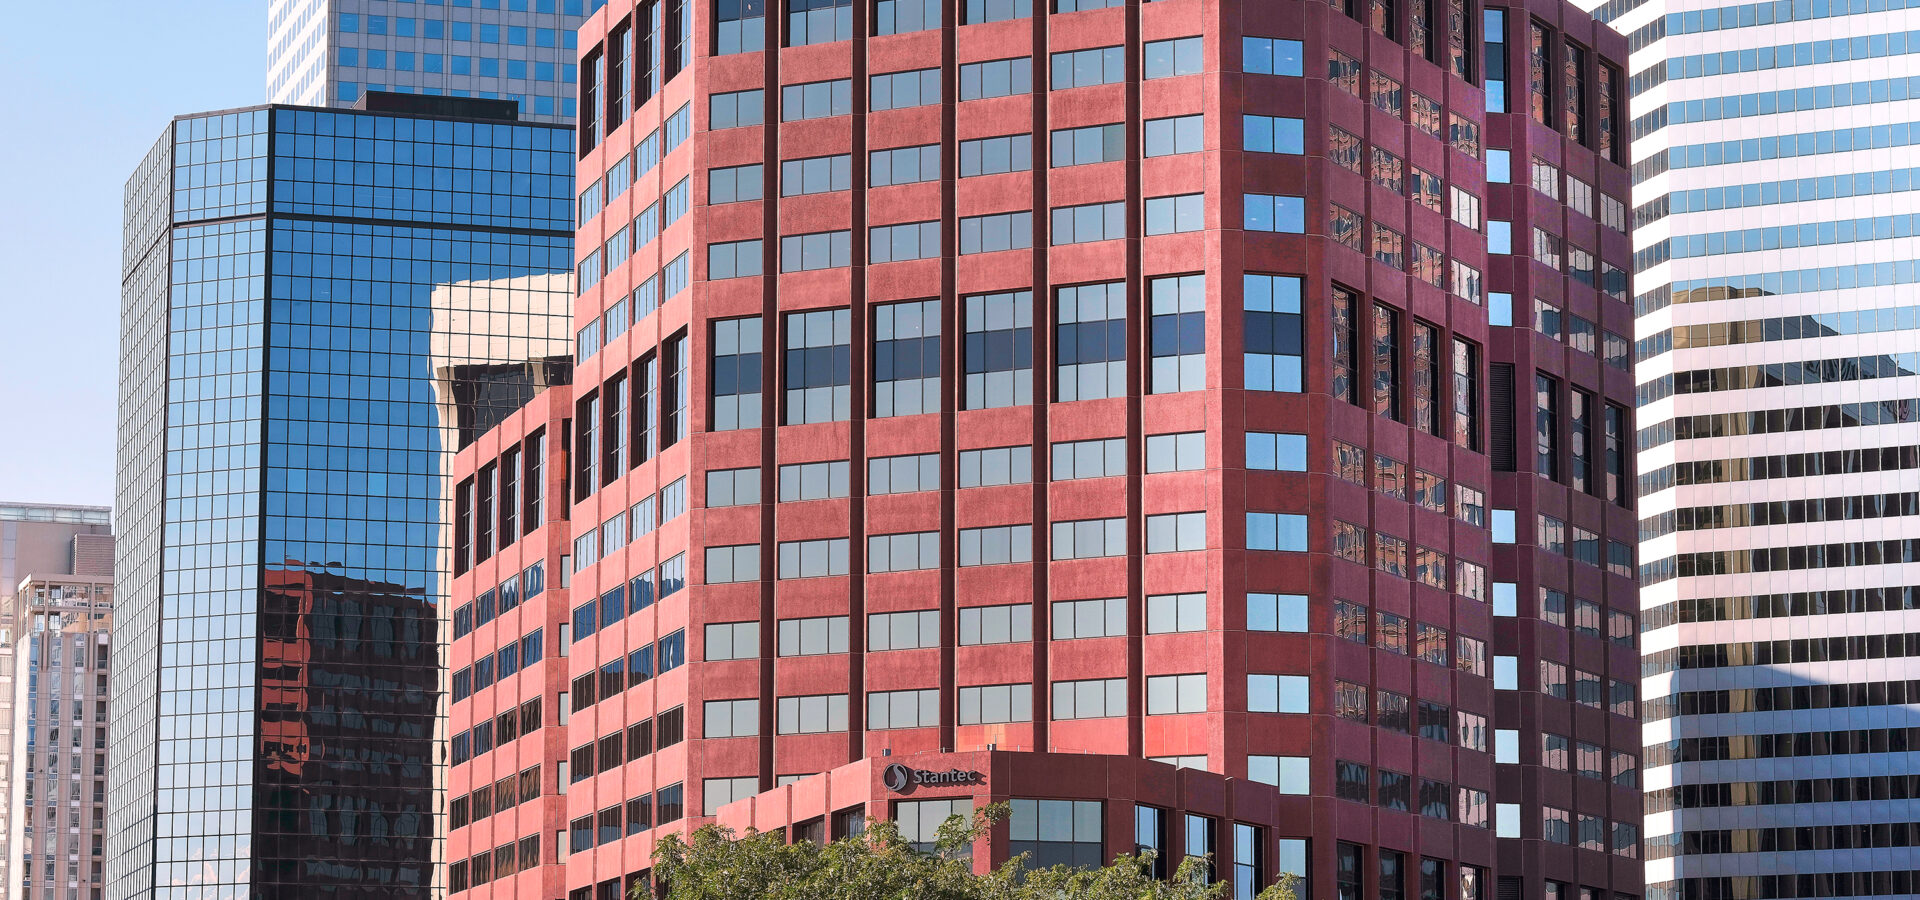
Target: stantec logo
x,y
902,779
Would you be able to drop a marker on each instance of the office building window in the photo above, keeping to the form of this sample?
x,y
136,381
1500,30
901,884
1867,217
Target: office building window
x,y
1386,361
1345,345
1618,487
906,358
1604,111
900,243
999,350
905,16
815,175
1272,332
1090,341
818,367
1466,395
1546,426
818,21
1539,73
1178,337
742,26
1495,27
736,373
996,78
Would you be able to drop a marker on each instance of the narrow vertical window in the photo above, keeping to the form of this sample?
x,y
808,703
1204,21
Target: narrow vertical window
x,y
533,514
463,527
586,448
1426,378
509,495
999,350
646,64
591,90
1386,361
1546,426
1617,486
619,51
673,393
736,374
1495,28
483,515
646,407
1539,73
1178,340
679,51
1345,345
1606,79
1573,90
613,430
818,366
1466,395
1580,461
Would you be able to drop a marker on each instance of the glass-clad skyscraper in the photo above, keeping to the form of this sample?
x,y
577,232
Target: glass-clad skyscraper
x,y
329,52
1777,330
319,305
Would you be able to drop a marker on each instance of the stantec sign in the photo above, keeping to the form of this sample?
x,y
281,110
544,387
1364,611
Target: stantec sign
x,y
901,779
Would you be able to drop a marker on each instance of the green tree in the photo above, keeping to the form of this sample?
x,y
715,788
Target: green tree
x,y
714,863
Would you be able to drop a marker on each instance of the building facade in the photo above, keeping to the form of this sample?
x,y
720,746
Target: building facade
x,y
57,777
1174,405
330,52
296,376
1776,445
45,541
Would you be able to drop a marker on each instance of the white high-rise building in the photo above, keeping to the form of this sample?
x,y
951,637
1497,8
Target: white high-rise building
x,y
1778,346
329,52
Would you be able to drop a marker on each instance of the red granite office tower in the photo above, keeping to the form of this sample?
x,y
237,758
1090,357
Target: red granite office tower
x,y
1031,394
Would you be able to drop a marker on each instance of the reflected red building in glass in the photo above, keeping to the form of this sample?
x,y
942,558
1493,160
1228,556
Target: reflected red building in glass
x,y
1134,413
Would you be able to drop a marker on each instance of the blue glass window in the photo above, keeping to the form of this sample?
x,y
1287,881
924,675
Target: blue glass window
x,y
613,606
585,619
1272,332
1269,212
672,651
640,592
640,665
673,575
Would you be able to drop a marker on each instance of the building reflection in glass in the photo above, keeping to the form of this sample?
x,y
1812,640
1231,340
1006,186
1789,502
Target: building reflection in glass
x,y
283,646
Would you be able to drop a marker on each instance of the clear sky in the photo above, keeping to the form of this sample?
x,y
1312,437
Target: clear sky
x,y
85,90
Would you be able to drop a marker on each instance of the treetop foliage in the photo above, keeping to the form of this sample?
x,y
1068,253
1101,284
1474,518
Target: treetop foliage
x,y
714,863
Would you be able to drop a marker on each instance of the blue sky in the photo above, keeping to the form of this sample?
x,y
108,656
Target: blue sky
x,y
88,87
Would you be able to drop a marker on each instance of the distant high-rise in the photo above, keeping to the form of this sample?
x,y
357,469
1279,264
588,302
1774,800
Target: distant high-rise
x,y
329,52
57,777
40,541
293,356
1779,457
